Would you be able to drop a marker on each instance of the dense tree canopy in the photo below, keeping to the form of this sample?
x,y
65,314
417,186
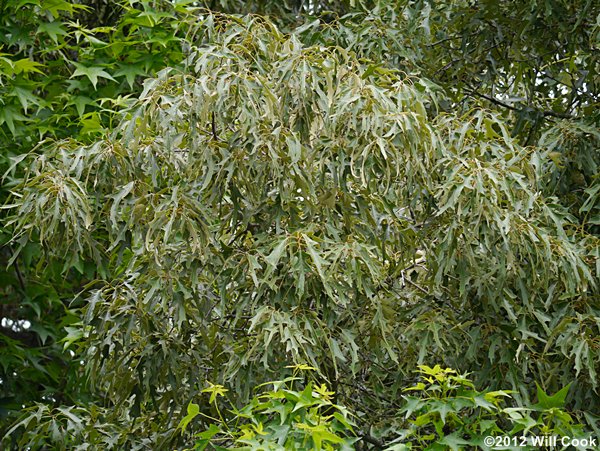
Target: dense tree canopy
x,y
200,195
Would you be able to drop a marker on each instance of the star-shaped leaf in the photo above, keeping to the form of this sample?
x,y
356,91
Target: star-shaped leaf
x,y
91,72
130,72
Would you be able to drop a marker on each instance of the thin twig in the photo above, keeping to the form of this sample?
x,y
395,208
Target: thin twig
x,y
19,275
214,127
545,113
420,288
373,441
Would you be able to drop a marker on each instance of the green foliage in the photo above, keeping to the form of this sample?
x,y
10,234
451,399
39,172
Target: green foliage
x,y
66,68
281,418
442,411
445,411
364,187
42,426
535,64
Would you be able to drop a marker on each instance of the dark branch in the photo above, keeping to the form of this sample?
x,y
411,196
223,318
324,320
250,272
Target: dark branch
x,y
545,113
19,274
214,127
373,441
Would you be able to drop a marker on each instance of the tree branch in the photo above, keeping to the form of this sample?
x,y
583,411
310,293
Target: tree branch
x,y
214,127
545,113
373,441
19,274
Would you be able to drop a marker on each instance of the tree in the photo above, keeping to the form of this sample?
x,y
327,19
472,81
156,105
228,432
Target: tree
x,y
66,68
300,197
